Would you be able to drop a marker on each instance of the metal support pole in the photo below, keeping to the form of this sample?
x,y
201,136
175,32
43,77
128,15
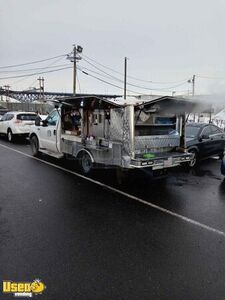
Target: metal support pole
x,y
183,134
193,89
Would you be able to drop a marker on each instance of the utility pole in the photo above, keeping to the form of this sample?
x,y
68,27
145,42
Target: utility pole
x,y
73,57
125,77
193,93
192,81
39,79
74,70
41,92
193,85
41,87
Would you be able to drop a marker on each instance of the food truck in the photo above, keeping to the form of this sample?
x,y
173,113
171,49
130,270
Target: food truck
x,y
125,133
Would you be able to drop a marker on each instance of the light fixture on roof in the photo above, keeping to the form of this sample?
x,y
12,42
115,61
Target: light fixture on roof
x,y
79,49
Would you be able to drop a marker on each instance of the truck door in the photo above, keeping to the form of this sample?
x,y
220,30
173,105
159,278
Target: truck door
x,y
50,134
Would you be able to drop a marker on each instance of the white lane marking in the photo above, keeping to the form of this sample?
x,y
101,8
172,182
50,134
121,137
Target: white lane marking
x,y
164,210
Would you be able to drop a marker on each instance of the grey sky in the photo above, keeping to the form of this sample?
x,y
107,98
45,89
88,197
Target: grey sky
x,y
165,41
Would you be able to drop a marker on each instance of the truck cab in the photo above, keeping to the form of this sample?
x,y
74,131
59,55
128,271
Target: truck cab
x,y
46,136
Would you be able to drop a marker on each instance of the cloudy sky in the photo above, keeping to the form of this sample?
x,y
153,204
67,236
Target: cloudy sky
x,y
166,42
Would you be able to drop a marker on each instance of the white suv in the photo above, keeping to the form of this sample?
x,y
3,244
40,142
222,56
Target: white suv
x,y
16,124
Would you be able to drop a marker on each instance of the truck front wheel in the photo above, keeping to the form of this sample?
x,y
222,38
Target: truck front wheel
x,y
85,162
34,146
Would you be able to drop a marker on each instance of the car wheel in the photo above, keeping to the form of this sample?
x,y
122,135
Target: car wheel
x,y
193,162
34,146
10,136
85,162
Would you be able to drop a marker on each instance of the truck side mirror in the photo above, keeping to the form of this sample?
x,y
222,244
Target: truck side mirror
x,y
44,123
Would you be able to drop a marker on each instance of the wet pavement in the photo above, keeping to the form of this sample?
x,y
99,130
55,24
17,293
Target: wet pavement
x,y
87,242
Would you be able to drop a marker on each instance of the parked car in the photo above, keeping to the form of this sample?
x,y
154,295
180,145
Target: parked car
x,y
204,140
16,124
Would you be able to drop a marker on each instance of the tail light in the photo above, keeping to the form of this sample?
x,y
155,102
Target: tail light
x,y
18,121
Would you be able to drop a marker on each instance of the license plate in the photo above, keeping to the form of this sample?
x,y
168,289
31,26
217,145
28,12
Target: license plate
x,y
168,162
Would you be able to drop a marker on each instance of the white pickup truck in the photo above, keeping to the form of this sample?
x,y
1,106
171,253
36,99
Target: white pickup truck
x,y
127,134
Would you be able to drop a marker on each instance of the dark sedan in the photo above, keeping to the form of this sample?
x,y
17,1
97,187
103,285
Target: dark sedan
x,y
204,140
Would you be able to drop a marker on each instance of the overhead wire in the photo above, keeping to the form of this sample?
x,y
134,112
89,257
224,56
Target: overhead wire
x,y
209,77
132,77
112,84
135,85
34,69
66,66
48,66
102,80
37,73
31,63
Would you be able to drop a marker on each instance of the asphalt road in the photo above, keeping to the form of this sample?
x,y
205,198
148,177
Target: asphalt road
x,y
87,241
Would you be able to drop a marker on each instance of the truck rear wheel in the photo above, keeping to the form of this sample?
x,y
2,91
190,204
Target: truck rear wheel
x,y
85,162
34,146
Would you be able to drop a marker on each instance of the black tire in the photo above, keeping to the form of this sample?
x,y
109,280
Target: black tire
x,y
85,162
10,136
221,155
34,146
194,161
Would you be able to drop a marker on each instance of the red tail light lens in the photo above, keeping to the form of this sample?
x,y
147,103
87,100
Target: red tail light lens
x,y
18,121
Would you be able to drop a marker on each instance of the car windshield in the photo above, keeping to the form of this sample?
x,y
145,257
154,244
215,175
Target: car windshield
x,y
26,117
192,131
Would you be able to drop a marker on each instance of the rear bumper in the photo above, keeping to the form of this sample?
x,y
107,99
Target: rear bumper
x,y
164,162
21,131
